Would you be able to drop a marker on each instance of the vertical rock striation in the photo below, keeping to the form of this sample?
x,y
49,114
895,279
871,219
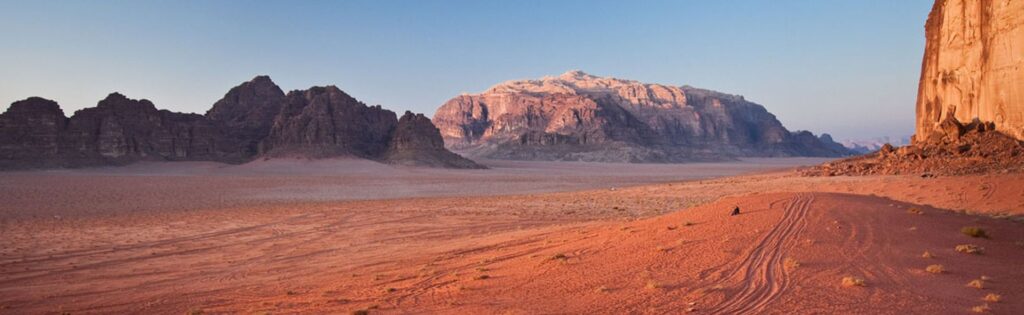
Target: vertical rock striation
x,y
973,67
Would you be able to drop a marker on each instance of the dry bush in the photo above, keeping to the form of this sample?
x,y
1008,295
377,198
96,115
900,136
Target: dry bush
x,y
559,256
927,254
981,309
652,285
974,231
915,211
977,284
969,249
851,281
790,264
935,269
993,298
481,277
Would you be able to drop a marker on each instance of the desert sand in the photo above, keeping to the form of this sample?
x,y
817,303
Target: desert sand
x,y
282,237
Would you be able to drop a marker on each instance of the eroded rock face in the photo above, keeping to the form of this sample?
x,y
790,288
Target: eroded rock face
x,y
30,131
577,116
324,122
248,110
416,141
973,67
253,120
974,148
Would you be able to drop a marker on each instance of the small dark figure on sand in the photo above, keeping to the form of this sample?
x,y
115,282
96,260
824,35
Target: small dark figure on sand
x,y
736,211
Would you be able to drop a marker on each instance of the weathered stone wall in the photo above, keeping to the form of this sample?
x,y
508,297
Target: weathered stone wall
x,y
973,66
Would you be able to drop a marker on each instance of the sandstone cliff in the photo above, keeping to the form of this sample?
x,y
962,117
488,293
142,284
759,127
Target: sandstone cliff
x,y
970,105
255,119
578,116
973,67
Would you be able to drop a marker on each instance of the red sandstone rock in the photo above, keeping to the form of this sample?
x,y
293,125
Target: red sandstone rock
x,y
577,116
973,67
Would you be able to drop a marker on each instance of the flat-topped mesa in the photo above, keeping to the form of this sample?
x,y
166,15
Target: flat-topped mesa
x,y
579,116
973,67
255,119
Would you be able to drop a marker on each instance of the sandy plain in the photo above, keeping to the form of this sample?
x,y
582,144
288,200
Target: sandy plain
x,y
283,237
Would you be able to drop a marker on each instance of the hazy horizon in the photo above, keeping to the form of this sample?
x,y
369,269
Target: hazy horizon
x,y
848,69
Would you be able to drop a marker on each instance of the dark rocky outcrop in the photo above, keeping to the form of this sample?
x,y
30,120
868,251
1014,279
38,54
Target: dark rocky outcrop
x,y
416,141
577,116
255,119
30,133
248,111
324,121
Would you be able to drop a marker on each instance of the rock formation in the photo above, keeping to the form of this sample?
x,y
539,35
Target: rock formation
x,y
255,119
416,141
973,67
577,116
974,148
248,110
324,121
970,105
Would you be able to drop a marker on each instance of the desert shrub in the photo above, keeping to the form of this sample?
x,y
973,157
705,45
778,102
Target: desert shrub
x,y
915,211
790,264
927,254
977,284
652,285
974,231
993,298
935,269
481,277
851,281
559,256
969,249
981,309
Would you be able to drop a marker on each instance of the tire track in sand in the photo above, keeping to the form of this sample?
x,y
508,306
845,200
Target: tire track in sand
x,y
761,273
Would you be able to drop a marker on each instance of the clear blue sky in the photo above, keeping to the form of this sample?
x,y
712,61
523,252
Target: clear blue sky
x,y
849,68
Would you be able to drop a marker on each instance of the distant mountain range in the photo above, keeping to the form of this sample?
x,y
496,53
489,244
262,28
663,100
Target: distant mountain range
x,y
253,120
862,146
578,116
572,117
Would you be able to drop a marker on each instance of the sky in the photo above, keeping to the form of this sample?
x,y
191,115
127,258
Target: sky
x,y
848,68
